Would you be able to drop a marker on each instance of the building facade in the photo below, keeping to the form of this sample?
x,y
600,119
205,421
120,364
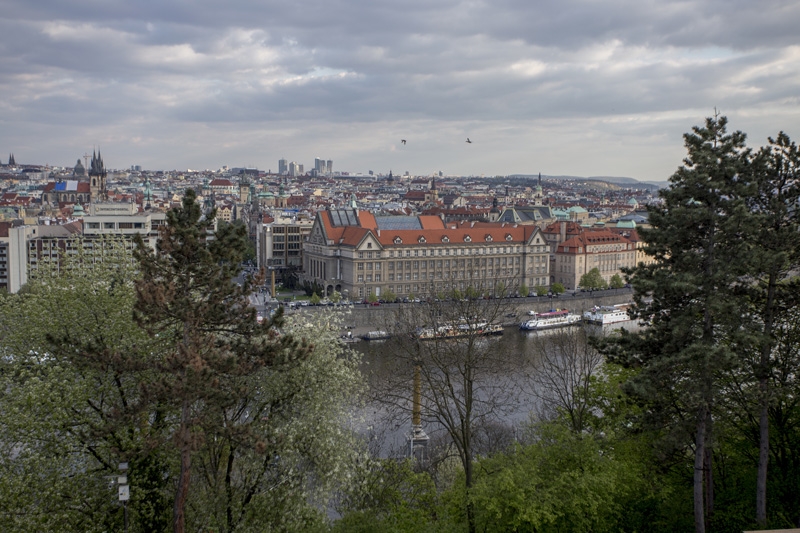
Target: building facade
x,y
603,249
358,254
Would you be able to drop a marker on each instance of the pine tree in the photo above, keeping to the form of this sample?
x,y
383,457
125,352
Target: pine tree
x,y
776,253
689,296
187,294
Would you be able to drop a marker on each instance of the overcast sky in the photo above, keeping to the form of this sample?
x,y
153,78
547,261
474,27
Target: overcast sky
x,y
559,87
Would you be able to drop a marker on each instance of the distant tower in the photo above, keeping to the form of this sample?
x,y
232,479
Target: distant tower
x,y
148,193
97,179
283,166
79,170
11,161
244,190
494,212
538,196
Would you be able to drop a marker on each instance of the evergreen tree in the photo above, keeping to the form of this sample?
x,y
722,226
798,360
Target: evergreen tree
x,y
698,242
187,296
776,253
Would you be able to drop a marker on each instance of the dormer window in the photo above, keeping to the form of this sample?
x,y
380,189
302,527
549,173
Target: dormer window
x,y
467,239
398,240
488,238
509,237
421,240
445,239
369,245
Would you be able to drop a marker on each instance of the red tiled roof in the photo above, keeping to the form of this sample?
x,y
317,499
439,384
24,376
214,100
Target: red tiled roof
x,y
433,232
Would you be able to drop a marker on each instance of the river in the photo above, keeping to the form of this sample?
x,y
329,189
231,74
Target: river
x,y
506,386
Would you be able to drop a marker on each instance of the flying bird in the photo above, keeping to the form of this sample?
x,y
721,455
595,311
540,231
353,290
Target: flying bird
x,y
403,141
469,140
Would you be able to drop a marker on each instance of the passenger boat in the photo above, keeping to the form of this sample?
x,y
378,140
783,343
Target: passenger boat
x,y
558,318
377,335
461,329
607,314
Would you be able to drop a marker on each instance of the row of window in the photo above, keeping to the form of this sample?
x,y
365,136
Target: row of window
x,y
445,263
455,251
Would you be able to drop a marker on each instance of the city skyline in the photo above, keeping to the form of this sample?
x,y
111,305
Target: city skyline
x,y
572,88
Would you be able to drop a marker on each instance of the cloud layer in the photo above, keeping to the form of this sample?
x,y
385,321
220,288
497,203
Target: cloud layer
x,y
580,87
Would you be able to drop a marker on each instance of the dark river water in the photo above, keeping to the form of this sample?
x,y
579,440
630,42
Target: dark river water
x,y
507,390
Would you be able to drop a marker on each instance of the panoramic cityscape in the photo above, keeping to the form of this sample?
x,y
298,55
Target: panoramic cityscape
x,y
446,266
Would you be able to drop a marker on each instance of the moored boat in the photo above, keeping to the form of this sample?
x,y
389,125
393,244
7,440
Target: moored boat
x,y
557,318
461,329
377,335
607,314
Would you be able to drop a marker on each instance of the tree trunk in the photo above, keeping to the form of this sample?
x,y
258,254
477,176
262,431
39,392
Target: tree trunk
x,y
467,495
763,400
184,439
709,480
763,453
699,459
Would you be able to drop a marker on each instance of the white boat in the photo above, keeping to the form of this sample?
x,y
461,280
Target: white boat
x,y
378,335
461,329
607,314
558,318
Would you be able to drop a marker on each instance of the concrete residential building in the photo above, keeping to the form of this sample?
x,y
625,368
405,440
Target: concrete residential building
x,y
357,253
279,242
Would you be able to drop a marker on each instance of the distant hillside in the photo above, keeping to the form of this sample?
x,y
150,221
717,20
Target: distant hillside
x,y
617,180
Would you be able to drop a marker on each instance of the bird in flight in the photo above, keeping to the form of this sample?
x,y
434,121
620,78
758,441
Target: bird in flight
x,y
469,140
403,141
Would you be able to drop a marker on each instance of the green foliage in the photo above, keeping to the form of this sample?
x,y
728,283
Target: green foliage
x,y
471,293
541,290
524,291
557,288
70,400
593,280
563,482
616,282
388,495
372,298
312,288
315,299
389,296
335,297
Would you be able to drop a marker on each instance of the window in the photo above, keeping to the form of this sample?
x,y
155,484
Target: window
x,y
377,277
108,225
391,265
408,253
369,255
361,255
369,277
416,264
369,266
391,277
361,266
361,277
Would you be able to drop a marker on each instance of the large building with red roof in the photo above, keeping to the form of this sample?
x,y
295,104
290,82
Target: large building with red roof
x,y
357,253
604,249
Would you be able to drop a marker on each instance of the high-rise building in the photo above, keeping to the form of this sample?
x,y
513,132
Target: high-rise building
x,y
329,166
283,166
319,165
